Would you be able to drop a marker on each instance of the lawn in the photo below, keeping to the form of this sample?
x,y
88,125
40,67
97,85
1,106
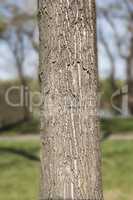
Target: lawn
x,y
118,170
19,170
117,125
18,173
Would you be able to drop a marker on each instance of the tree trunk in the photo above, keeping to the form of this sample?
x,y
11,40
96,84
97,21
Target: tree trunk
x,y
130,77
111,60
19,55
70,138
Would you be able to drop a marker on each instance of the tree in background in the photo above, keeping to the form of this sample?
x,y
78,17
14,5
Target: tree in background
x,y
115,13
70,138
129,57
18,32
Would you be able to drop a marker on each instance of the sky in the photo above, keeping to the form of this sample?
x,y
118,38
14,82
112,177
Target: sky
x,y
103,60
7,64
8,68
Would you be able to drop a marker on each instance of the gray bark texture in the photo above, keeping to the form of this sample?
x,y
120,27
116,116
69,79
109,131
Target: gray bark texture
x,y
70,137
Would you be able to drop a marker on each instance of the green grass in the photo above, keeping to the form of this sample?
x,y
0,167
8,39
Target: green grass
x,y
19,176
29,127
118,168
115,125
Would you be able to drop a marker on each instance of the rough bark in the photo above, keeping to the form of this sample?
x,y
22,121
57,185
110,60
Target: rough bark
x,y
70,138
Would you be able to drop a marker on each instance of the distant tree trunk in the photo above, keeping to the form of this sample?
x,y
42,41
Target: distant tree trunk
x,y
70,137
130,77
111,60
19,56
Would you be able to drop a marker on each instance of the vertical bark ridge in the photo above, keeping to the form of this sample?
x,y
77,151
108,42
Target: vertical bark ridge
x,y
70,139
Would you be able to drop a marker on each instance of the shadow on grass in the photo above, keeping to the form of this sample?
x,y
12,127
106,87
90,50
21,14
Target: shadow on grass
x,y
19,152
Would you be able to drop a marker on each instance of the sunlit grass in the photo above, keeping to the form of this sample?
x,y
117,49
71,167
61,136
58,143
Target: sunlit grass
x,y
19,176
118,169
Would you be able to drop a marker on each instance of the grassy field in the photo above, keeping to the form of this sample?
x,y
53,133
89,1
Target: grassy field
x,y
117,125
18,173
19,170
118,170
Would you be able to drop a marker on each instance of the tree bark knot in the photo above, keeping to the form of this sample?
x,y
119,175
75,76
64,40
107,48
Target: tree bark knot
x,y
43,11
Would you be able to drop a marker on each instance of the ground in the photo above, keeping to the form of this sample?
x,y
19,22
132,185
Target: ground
x,y
117,169
19,169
